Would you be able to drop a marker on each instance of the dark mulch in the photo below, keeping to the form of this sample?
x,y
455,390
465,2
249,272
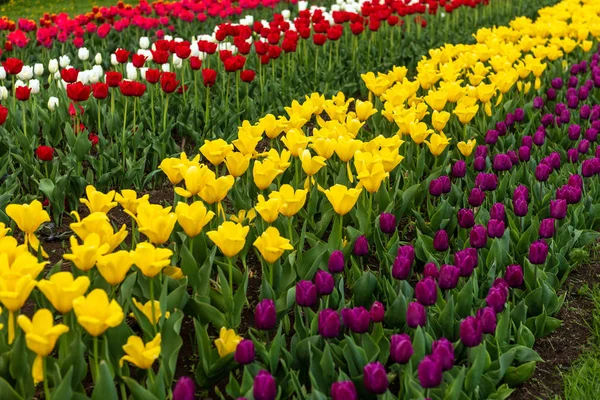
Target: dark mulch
x,y
560,349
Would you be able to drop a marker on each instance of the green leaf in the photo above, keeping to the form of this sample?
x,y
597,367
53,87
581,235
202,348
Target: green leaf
x,y
517,375
364,288
64,390
476,370
138,391
454,390
105,388
7,392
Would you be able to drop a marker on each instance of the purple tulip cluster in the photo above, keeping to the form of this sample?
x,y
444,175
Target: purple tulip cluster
x,y
439,186
432,367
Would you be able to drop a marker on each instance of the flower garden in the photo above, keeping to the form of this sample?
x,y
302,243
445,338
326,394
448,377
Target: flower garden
x,y
269,199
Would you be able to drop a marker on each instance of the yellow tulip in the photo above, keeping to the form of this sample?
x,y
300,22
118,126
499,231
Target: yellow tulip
x,y
324,147
246,142
419,132
172,167
437,99
216,150
364,110
129,201
229,237
439,120
16,260
227,341
295,140
149,259
14,291
194,177
466,148
139,354
268,209
437,143
272,245
346,147
242,216
377,85
215,189
3,230
28,218
311,164
61,289
114,267
84,256
485,92
389,158
193,217
371,178
237,163
173,272
290,201
341,198
97,201
281,160
98,223
146,309
271,126
465,113
96,314
586,45
264,173
40,336
155,222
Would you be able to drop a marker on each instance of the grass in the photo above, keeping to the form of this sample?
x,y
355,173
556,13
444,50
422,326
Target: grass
x,y
34,9
582,381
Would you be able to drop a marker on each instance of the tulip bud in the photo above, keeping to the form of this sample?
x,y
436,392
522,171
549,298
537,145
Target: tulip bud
x,y
361,248
478,236
538,251
591,135
446,184
466,260
3,93
443,350
426,291
52,103
401,349
585,111
558,208
466,219
557,83
2,74
306,294
514,275
329,323
520,207
416,315
144,42
344,390
83,54
449,275
491,137
98,58
377,312
265,387
538,103
401,268
324,283
487,320
459,169
547,228
375,378
431,271
184,389
476,197
479,164
542,172
497,212
495,228
496,298
440,241
387,223
265,315
407,251
430,372
481,151
435,188
357,319
336,262
244,352
470,332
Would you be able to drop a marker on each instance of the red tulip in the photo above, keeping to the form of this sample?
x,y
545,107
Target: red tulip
x,y
183,50
247,75
209,76
152,75
100,90
69,75
3,114
44,153
319,39
113,79
93,138
169,82
195,63
160,56
138,60
12,65
23,93
122,55
78,91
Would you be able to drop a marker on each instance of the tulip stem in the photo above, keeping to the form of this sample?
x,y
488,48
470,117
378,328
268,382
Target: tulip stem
x,y
165,113
99,125
46,389
271,273
123,391
152,109
341,232
24,120
153,309
230,273
207,112
124,131
96,362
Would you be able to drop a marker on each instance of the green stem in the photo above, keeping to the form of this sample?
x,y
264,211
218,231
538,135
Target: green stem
x,y
123,391
46,389
152,109
96,361
230,273
124,131
165,113
152,308
99,125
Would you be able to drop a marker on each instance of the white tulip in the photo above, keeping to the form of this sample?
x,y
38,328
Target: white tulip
x,y
285,14
194,48
177,62
57,75
38,69
83,54
98,59
52,103
84,77
143,72
132,74
53,66
302,5
34,85
166,68
168,37
2,73
3,93
19,83
97,73
64,61
113,60
144,42
26,73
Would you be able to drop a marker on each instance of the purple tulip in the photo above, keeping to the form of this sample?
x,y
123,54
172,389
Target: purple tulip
x,y
539,138
538,103
486,182
497,212
557,83
265,387
377,312
502,284
575,181
512,155
496,298
584,146
524,153
344,390
336,260
324,283
435,188
501,128
478,236
401,348
572,102
583,93
416,315
542,172
519,114
491,137
329,323
547,228
554,159
538,251
591,134
573,156
244,352
476,197
401,268
306,294
479,164
597,152
551,94
481,151
495,228
569,193
574,132
487,320
449,275
521,192
361,249
547,120
430,372
466,219
459,169
527,141
446,184
387,223
375,378
573,81
558,209
443,350
357,319
502,162
514,275
440,241
407,251
520,207
585,111
426,291
574,69
510,119
466,260
470,332
431,271
184,389
265,315
564,117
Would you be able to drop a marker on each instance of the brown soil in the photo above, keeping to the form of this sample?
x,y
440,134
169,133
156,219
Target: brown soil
x,y
561,348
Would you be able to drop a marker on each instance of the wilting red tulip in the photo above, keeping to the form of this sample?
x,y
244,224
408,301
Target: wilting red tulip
x,y
22,93
209,76
3,114
100,90
44,153
113,79
78,91
247,75
122,55
169,82
69,75
12,66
